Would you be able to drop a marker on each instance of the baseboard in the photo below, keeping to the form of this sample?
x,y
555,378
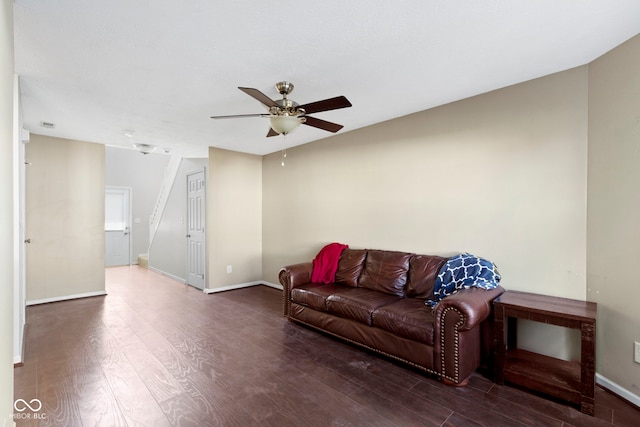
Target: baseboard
x,y
272,285
239,286
66,297
164,273
222,289
618,390
18,359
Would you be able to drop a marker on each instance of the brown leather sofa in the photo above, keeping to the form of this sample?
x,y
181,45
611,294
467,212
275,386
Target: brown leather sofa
x,y
377,302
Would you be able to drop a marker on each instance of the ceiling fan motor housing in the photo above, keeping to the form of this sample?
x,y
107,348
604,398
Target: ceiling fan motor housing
x,y
286,107
284,88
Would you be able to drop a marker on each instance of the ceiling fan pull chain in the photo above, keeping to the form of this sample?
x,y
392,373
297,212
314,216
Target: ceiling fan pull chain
x,y
283,152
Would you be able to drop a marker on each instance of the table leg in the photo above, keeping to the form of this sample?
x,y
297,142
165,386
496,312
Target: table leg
x,y
587,368
499,345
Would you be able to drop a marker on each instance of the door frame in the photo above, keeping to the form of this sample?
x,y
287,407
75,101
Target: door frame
x,y
129,219
202,170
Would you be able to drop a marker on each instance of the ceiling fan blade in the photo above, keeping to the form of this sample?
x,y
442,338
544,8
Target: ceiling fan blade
x,y
237,116
322,124
326,105
255,93
272,133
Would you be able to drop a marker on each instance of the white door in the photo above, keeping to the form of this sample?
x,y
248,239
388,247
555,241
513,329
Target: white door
x,y
117,215
196,256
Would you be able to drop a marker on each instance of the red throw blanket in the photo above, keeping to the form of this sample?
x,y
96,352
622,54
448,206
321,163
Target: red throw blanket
x,y
325,264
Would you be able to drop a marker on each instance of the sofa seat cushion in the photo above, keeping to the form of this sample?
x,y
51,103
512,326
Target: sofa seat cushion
x,y
315,295
358,303
408,318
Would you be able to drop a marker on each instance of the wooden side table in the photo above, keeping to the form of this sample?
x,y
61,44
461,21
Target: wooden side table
x,y
569,381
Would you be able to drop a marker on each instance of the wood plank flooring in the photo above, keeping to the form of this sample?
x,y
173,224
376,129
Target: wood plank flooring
x,y
154,352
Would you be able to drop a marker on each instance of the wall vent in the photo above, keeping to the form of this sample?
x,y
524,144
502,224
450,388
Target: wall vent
x,y
47,125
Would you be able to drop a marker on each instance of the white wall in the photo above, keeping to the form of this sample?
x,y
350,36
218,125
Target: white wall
x,y
143,173
19,296
7,139
169,250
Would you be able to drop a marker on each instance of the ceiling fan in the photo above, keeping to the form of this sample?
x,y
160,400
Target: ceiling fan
x,y
286,115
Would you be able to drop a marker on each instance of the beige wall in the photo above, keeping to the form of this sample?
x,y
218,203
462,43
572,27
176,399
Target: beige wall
x,y
234,218
501,175
614,210
64,218
6,211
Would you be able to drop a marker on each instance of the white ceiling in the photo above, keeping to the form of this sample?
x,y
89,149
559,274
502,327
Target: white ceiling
x,y
160,68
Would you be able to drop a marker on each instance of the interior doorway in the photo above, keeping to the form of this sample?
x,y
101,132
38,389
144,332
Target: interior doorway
x,y
117,226
196,247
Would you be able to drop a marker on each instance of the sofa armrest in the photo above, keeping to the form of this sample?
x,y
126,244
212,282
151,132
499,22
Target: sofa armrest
x,y
458,332
295,275
473,305
292,276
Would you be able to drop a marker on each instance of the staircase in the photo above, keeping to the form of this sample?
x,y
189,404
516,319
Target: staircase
x,y
170,173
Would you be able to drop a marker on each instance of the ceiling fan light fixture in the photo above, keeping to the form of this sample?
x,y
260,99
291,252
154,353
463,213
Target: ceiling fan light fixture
x,y
284,124
144,148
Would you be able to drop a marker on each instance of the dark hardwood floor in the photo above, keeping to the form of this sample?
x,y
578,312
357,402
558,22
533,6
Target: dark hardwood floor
x,y
154,352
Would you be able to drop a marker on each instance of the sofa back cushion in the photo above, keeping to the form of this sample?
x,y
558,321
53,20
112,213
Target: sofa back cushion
x,y
385,271
423,270
350,266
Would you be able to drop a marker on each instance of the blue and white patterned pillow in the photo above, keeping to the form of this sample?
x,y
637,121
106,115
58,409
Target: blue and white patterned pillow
x,y
462,272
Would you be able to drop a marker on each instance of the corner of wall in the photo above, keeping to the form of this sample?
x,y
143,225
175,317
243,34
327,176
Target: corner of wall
x,y
234,218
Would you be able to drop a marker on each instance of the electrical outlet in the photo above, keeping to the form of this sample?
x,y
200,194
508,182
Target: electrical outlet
x,y
229,269
636,352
